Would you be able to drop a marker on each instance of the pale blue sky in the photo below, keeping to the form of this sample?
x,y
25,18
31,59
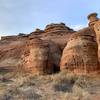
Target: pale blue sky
x,y
25,15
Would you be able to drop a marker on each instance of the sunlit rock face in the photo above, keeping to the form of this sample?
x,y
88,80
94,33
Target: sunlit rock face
x,y
10,54
38,52
41,57
55,48
31,55
35,56
97,31
80,53
94,24
57,33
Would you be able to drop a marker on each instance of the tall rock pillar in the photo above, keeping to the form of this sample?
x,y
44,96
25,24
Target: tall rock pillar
x,y
94,24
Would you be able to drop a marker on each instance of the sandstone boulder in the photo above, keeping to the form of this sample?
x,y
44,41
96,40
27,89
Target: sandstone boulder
x,y
80,54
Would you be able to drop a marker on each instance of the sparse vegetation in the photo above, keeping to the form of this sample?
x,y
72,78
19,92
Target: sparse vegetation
x,y
61,86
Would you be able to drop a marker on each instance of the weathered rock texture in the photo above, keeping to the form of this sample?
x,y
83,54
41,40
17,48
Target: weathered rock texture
x,y
57,33
10,54
41,57
30,55
40,51
80,54
94,24
35,57
36,52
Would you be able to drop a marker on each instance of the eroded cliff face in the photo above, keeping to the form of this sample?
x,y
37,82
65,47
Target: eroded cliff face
x,y
29,54
47,51
94,24
57,33
80,53
10,53
41,57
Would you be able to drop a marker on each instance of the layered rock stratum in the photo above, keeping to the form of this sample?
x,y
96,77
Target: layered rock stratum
x,y
80,53
41,56
47,51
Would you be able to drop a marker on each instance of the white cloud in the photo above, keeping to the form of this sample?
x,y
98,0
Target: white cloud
x,y
78,27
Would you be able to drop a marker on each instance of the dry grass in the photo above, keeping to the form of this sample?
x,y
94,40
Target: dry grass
x,y
61,86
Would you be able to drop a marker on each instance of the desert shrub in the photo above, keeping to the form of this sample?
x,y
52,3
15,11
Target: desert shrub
x,y
64,86
64,82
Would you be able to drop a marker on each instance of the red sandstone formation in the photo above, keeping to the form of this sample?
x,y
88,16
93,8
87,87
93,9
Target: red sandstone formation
x,y
10,54
57,27
80,53
35,56
57,33
94,24
41,57
29,54
40,51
